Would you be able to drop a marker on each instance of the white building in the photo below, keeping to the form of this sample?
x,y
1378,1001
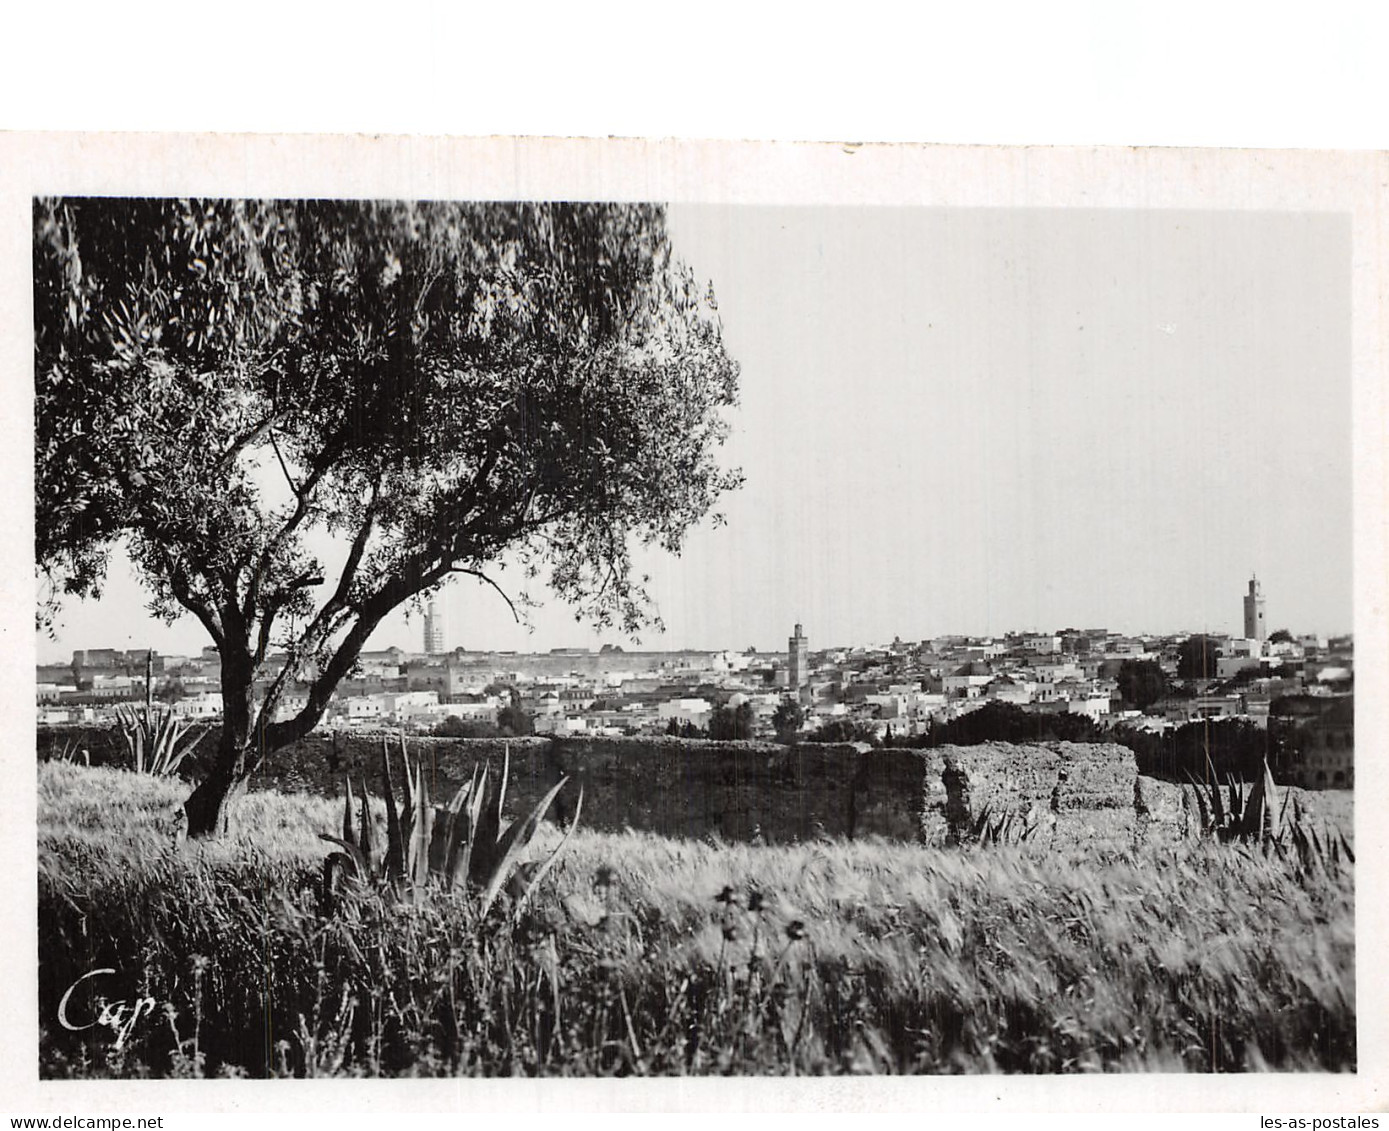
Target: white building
x,y
1055,672
364,708
1096,706
563,725
485,711
964,684
1007,689
204,705
397,702
693,711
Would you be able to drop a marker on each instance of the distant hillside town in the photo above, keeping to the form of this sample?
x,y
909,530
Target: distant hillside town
x,y
896,691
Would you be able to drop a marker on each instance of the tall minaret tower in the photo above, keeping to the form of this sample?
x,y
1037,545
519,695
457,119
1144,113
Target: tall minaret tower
x,y
433,629
798,666
1255,627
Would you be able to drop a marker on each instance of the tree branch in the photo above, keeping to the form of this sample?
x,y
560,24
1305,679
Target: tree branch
x,y
266,714
275,444
183,594
392,593
354,554
301,510
242,443
483,577
317,629
277,602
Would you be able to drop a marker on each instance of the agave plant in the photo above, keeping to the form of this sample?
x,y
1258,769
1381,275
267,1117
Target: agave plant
x,y
1308,850
155,740
1234,813
1009,827
460,846
1254,818
73,751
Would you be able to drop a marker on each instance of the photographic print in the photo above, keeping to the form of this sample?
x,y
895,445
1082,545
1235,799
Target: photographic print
x,y
783,631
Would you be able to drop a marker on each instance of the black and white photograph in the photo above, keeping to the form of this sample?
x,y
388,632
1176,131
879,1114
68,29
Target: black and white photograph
x,y
895,615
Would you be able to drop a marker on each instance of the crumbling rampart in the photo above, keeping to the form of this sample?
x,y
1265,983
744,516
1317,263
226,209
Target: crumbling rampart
x,y
746,791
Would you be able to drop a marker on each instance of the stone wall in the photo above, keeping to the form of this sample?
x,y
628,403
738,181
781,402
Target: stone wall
x,y
675,787
745,791
1081,790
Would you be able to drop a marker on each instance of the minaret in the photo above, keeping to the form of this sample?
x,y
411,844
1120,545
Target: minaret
x,y
798,665
1255,628
433,629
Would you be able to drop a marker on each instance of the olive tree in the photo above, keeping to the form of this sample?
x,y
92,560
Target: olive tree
x,y
295,416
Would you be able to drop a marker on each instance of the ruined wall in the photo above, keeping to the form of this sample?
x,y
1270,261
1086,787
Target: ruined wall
x,y
670,786
744,791
1080,790
737,790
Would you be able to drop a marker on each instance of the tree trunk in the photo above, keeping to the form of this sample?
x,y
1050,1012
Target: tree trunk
x,y
206,807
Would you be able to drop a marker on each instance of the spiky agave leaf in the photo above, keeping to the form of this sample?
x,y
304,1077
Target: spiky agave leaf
x,y
505,781
347,832
980,824
1261,817
461,870
409,785
443,849
512,846
395,841
488,827
1283,811
1237,806
1217,802
1203,807
366,838
1302,844
421,833
1274,819
543,870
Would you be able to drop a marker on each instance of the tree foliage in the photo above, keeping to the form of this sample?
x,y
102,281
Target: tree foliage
x,y
843,730
1141,682
788,718
1008,722
455,727
1196,658
226,387
512,720
727,723
1235,748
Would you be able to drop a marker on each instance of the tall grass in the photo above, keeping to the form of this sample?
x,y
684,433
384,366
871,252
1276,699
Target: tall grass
x,y
645,955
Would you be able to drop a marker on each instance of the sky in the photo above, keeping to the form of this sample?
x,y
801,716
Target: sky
x,y
979,421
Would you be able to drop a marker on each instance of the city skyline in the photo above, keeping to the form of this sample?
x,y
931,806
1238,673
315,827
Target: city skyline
x,y
970,422
54,658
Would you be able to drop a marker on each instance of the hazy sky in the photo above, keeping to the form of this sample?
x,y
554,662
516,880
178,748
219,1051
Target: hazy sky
x,y
977,421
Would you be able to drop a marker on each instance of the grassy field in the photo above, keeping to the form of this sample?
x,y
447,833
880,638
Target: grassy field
x,y
645,955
